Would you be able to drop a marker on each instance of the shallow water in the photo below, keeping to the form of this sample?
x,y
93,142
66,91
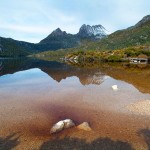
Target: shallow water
x,y
35,94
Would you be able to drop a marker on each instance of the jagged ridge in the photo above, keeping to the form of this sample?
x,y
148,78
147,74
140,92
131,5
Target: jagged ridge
x,y
96,31
58,39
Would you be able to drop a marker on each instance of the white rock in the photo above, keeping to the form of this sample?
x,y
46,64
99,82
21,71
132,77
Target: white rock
x,y
84,126
115,87
63,124
57,127
68,123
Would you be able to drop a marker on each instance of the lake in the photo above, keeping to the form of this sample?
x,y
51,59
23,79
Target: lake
x,y
35,94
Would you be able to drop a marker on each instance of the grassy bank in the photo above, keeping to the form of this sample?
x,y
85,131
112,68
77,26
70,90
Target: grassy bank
x,y
110,55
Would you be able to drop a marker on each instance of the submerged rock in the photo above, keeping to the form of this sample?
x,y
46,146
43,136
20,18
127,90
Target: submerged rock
x,y
68,123
84,126
59,126
63,124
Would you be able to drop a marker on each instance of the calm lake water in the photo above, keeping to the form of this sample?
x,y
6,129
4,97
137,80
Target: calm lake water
x,y
35,94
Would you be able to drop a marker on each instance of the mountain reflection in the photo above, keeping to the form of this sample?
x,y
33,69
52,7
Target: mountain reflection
x,y
1,66
138,76
55,70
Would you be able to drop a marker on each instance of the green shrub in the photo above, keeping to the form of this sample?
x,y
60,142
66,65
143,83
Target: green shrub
x,y
114,58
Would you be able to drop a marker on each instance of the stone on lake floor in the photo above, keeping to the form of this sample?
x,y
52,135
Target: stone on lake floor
x,y
59,126
68,123
84,126
63,124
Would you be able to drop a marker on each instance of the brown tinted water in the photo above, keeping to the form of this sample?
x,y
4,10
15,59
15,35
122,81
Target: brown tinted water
x,y
36,94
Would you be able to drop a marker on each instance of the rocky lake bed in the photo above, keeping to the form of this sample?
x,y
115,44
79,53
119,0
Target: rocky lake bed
x,y
35,97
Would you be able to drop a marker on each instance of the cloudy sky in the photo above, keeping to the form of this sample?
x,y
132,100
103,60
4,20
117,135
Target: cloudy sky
x,y
33,20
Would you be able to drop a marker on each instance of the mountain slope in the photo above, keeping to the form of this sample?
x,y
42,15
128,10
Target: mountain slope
x,y
136,35
56,40
133,36
59,39
88,38
9,47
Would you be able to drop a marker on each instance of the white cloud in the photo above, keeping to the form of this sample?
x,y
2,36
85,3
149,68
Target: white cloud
x,y
26,29
35,19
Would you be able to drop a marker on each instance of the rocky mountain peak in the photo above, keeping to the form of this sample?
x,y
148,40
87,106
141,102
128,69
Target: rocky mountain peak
x,y
98,31
143,21
58,32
